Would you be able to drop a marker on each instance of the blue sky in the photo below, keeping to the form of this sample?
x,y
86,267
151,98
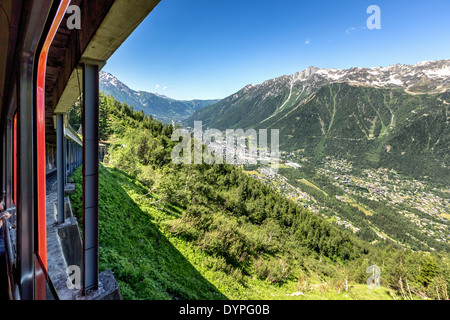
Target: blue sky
x,y
204,49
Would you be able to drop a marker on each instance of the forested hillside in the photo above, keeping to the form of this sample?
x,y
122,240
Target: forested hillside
x,y
395,117
211,232
372,128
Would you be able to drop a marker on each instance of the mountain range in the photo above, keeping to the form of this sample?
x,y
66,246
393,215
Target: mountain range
x,y
158,106
396,116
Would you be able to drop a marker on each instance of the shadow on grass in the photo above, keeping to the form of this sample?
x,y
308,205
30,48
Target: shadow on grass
x,y
145,263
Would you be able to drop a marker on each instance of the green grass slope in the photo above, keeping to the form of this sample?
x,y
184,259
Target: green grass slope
x,y
145,263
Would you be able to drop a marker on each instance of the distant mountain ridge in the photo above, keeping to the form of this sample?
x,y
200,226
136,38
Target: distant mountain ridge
x,y
258,103
159,106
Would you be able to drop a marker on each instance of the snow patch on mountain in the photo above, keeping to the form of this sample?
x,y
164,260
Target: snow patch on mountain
x,y
426,76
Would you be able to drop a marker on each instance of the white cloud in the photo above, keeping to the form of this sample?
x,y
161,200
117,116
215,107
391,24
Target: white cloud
x,y
165,88
350,30
307,42
157,86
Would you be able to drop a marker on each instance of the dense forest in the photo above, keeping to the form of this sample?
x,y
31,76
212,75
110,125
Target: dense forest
x,y
240,234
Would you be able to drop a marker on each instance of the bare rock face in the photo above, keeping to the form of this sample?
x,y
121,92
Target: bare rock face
x,y
425,77
70,189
